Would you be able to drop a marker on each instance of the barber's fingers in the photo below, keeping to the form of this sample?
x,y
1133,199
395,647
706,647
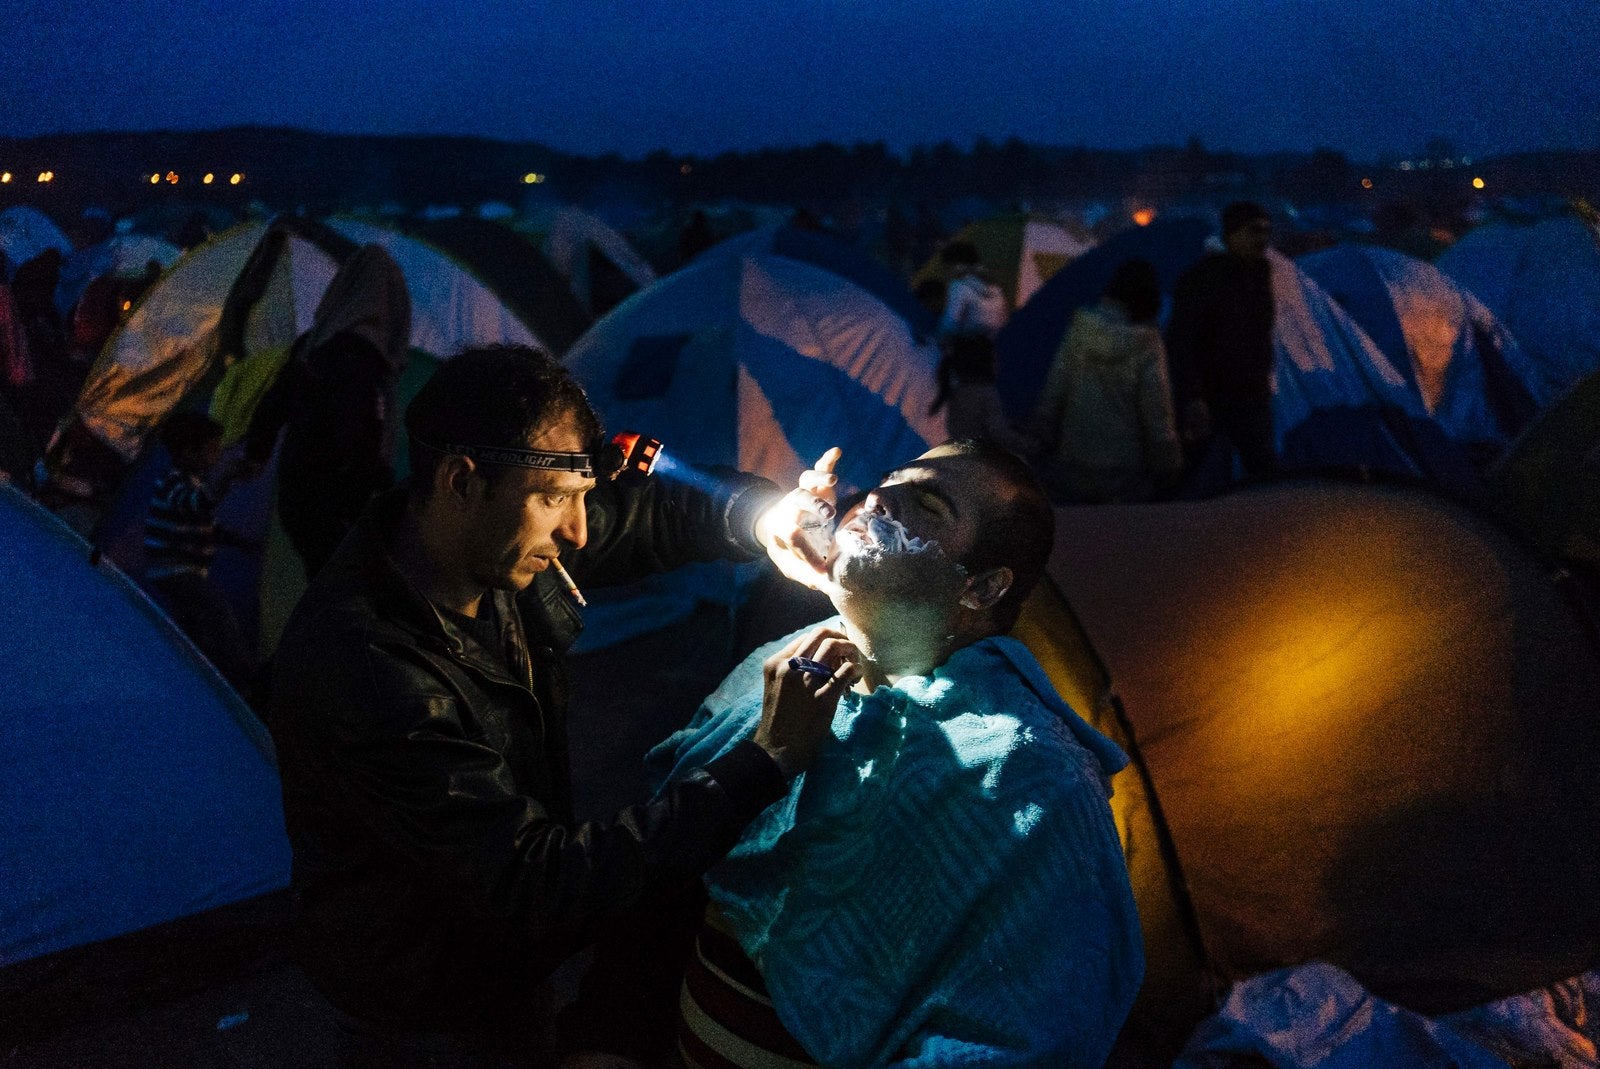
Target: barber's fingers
x,y
827,460
779,662
829,646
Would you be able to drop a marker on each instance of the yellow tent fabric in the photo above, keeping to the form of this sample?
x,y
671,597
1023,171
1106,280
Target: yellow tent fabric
x,y
241,389
1370,725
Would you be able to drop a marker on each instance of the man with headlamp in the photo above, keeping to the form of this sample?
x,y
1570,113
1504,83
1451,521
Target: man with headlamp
x,y
419,709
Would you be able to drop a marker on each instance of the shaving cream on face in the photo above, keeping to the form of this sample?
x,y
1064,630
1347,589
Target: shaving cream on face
x,y
876,555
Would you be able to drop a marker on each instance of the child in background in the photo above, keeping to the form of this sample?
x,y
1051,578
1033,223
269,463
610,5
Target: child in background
x,y
967,385
181,539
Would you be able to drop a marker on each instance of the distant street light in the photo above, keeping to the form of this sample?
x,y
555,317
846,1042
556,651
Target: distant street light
x,y
5,177
209,178
172,177
155,179
235,179
1366,183
47,176
1477,183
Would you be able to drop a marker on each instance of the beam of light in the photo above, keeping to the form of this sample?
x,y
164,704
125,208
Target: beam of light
x,y
674,471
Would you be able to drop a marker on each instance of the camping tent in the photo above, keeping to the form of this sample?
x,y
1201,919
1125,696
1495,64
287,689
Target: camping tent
x,y
518,272
26,232
1475,380
122,256
753,359
1338,401
600,267
1028,342
1366,730
450,307
1023,252
1543,282
137,787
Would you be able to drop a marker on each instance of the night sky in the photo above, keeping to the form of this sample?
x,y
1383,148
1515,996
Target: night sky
x,y
1369,77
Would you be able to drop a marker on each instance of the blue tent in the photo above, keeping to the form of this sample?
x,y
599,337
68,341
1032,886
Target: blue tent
x,y
1338,401
1543,283
138,789
753,359
1475,380
835,257
1028,342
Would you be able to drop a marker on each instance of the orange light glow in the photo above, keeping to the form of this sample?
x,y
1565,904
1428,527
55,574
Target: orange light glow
x,y
1144,216
209,178
172,176
5,177
1477,183
155,179
126,305
47,176
1366,183
235,179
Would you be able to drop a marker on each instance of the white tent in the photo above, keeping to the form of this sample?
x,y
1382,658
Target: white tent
x,y
26,232
577,243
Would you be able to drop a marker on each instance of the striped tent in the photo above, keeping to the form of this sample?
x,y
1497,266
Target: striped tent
x,y
1474,378
1543,283
757,360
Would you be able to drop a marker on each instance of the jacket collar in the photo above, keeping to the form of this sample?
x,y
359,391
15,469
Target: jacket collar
x,y
364,559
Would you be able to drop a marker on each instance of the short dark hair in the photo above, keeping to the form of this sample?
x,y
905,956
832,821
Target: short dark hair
x,y
185,431
492,395
1136,286
1242,213
1018,534
959,253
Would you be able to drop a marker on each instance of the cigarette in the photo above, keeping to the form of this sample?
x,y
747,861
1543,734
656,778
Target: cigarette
x,y
572,588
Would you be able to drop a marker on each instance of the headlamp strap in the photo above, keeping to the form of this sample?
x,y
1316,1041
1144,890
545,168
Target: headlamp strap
x,y
540,459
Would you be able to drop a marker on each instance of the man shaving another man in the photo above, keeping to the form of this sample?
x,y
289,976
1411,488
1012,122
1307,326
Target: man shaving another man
x,y
944,885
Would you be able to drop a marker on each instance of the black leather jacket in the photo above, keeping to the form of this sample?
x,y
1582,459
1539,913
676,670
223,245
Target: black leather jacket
x,y
437,872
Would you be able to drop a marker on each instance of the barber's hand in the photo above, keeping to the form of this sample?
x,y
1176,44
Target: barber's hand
x,y
797,707
783,528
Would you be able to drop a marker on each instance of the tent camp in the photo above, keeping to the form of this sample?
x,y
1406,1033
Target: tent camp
x,y
26,232
512,265
1474,378
1543,283
138,789
121,256
758,360
1338,400
600,267
1023,253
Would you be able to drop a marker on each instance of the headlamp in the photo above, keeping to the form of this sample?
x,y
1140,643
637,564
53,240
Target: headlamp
x,y
539,459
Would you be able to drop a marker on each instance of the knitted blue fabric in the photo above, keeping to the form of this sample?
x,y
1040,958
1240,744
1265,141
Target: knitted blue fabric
x,y
945,886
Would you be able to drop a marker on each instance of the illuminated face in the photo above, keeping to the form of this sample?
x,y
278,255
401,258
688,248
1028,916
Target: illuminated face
x,y
529,517
904,540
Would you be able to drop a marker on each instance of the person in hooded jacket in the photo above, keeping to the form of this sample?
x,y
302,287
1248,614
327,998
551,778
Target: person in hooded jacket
x,y
1106,413
336,395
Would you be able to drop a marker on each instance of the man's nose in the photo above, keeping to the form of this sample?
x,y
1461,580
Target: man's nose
x,y
574,526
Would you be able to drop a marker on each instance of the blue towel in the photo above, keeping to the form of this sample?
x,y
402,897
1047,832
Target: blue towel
x,y
945,886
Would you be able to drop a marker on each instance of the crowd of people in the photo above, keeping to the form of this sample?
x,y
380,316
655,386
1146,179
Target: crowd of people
x,y
1125,408
884,839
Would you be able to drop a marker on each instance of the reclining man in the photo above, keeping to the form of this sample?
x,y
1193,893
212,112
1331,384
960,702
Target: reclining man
x,y
945,885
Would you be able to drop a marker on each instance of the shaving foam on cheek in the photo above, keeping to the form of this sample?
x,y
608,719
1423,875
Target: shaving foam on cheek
x,y
816,529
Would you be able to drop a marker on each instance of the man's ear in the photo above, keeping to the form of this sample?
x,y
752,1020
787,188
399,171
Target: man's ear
x,y
985,589
457,478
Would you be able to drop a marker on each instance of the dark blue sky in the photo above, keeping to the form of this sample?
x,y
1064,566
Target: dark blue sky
x,y
1370,77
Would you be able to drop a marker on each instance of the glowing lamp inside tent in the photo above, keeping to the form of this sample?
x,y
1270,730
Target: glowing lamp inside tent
x,y
209,178
1477,183
1144,216
235,179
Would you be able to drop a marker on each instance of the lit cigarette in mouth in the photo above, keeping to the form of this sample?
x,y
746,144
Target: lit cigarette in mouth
x,y
572,588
